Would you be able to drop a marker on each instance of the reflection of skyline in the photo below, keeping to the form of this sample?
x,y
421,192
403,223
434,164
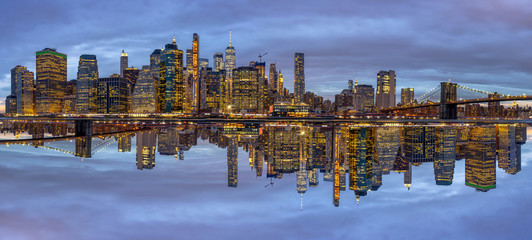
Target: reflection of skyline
x,y
360,155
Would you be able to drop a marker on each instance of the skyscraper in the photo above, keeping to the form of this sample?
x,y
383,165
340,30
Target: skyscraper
x,y
171,91
230,58
146,149
273,78
113,95
14,71
51,80
155,68
480,158
218,60
123,63
407,96
86,84
385,89
299,76
364,97
144,94
195,55
246,90
25,93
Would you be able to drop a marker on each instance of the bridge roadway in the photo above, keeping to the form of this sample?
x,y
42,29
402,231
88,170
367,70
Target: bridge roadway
x,y
462,102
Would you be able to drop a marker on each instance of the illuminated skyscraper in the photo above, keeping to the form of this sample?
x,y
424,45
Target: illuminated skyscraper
x,y
364,97
232,163
155,68
407,96
299,76
25,93
51,81
203,63
195,55
113,94
86,84
246,90
171,92
445,155
131,74
360,152
218,60
123,63
385,89
506,147
146,149
188,59
124,143
230,58
480,158
273,80
144,94
419,143
14,71
11,104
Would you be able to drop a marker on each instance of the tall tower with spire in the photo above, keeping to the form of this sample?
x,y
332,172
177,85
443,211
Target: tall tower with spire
x,y
230,59
123,63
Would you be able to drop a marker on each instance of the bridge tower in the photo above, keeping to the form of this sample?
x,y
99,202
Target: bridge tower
x,y
83,127
448,94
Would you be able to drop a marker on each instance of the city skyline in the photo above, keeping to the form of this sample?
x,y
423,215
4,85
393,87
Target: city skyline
x,y
423,48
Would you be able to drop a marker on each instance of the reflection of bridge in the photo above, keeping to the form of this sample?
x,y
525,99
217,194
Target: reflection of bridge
x,y
448,99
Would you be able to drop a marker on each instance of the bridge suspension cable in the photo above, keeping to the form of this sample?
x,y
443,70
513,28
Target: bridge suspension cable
x,y
475,90
428,94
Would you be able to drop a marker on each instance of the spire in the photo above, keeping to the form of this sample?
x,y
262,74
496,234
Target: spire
x,y
229,37
301,202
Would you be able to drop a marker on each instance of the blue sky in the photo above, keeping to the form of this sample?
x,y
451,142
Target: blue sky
x,y
483,44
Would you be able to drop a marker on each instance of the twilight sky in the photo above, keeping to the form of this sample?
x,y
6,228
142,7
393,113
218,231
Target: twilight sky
x,y
485,44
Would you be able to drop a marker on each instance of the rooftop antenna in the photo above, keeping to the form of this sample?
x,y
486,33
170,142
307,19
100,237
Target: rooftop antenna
x,y
229,37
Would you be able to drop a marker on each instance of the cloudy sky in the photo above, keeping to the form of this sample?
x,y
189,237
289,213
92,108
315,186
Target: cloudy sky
x,y
484,44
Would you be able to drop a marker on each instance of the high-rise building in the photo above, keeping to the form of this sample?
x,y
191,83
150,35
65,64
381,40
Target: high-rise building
x,y
25,93
364,97
86,84
155,66
14,71
203,63
360,149
407,96
70,97
230,58
273,78
280,87
246,90
123,63
131,74
218,60
419,144
144,94
232,162
188,58
51,80
146,149
171,91
195,55
113,95
480,158
299,76
445,155
11,104
385,89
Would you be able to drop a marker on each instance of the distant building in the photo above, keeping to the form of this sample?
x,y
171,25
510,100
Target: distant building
x,y
171,89
51,80
299,76
195,55
445,155
25,93
230,58
203,63
218,61
480,158
131,74
407,96
14,71
385,97
246,90
144,95
70,97
113,95
11,104
123,63
86,84
419,144
364,97
146,149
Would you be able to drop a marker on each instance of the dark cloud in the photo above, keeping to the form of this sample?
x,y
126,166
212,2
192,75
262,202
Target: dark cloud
x,y
479,42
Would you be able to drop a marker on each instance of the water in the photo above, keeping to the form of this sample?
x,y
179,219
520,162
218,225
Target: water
x,y
198,182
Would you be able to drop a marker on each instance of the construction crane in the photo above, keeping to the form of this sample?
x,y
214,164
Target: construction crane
x,y
261,55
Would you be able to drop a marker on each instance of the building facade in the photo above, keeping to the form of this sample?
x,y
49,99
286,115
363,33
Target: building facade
x,y
385,97
86,84
51,81
299,76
